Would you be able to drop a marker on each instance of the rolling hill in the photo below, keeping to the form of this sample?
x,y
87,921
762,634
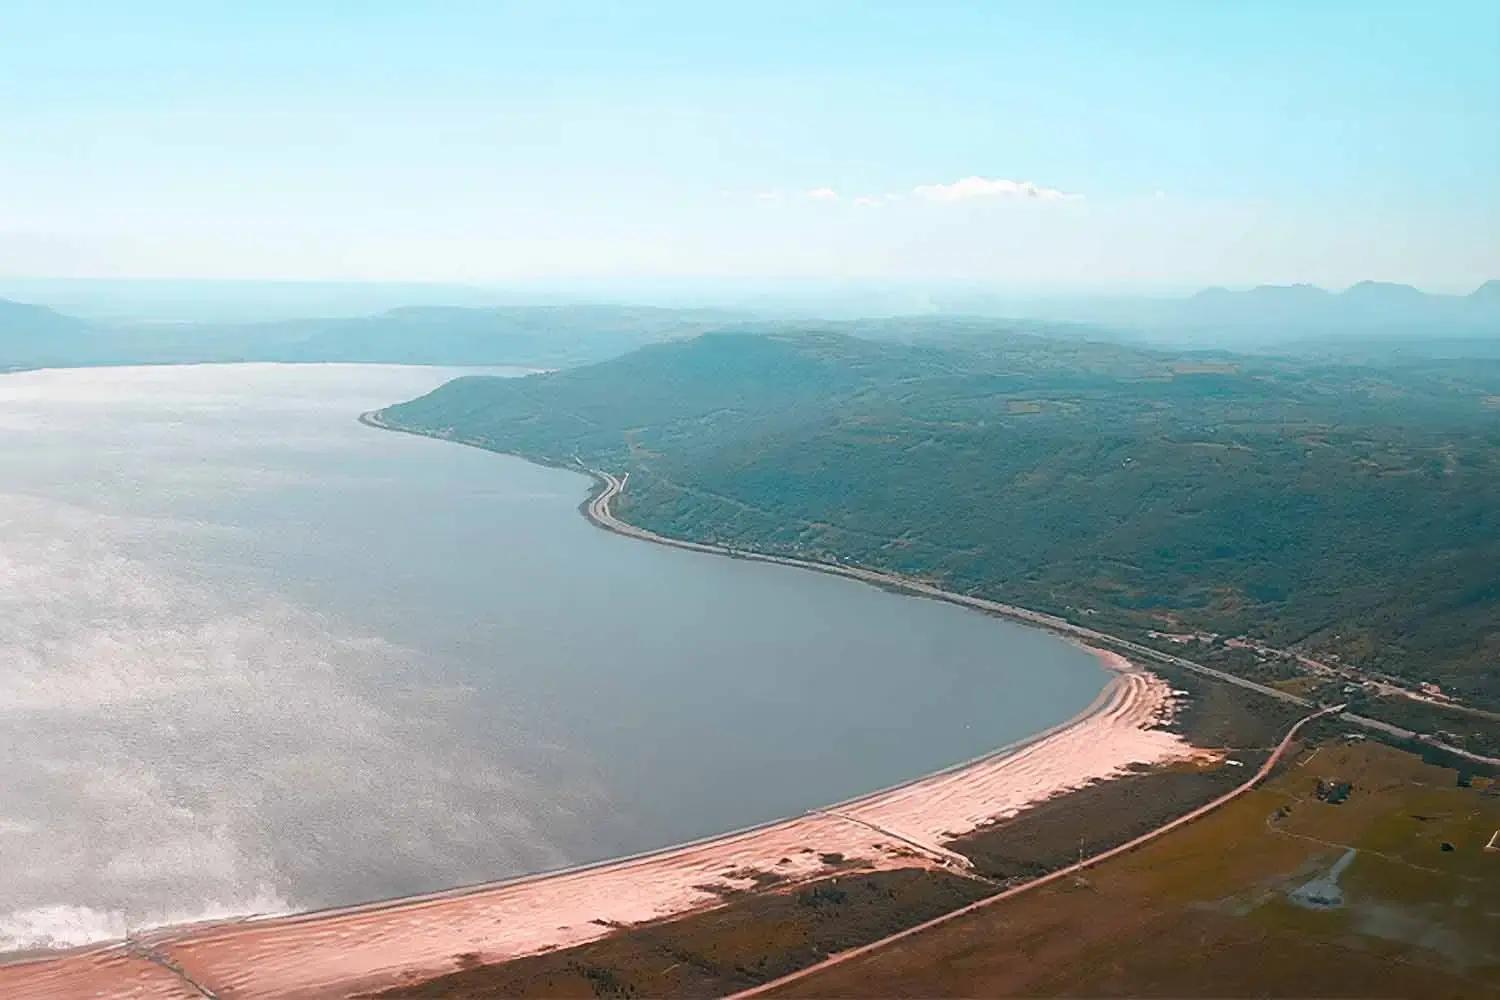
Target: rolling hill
x,y
1351,512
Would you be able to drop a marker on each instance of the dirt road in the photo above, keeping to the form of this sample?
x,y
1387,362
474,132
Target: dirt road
x,y
1062,873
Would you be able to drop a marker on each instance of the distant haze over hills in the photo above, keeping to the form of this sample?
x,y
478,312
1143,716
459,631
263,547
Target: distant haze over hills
x,y
24,320
162,300
1488,292
541,336
1368,303
429,329
1269,314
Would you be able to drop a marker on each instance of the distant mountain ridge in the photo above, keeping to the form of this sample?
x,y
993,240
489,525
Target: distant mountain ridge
x,y
23,318
1386,294
1366,308
28,332
535,336
1266,316
1487,292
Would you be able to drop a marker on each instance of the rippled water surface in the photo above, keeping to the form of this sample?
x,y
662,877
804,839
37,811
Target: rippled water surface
x,y
256,656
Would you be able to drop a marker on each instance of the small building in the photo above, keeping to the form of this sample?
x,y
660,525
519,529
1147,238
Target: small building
x,y
1334,792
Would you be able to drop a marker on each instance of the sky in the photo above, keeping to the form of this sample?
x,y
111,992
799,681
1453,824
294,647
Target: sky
x,y
1068,147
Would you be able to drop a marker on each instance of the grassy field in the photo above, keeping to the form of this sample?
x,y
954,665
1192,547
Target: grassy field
x,y
1210,910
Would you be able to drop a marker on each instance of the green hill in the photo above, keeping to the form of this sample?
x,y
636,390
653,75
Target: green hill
x,y
1350,511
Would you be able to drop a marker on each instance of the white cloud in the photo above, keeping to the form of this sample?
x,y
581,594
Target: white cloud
x,y
768,195
869,201
990,187
823,194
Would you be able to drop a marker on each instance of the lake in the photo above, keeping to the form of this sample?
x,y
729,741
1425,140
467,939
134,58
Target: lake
x,y
256,656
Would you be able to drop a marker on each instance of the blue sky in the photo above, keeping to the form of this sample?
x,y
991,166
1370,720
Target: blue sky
x,y
1107,146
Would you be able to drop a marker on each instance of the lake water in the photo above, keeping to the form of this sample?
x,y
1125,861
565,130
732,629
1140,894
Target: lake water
x,y
256,656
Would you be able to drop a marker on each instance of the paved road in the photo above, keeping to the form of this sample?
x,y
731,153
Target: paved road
x,y
600,513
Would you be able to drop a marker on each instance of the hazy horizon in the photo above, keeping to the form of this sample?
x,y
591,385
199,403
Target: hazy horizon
x,y
200,300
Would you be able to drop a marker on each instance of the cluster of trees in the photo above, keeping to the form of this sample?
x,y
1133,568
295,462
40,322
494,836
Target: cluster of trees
x,y
1351,510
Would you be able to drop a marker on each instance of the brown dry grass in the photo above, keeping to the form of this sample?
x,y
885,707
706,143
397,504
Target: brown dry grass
x,y
1204,912
759,937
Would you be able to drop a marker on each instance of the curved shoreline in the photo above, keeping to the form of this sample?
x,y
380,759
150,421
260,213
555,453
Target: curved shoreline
x,y
368,946
335,953
1090,638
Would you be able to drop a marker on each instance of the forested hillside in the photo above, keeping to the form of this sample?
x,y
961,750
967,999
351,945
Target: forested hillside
x,y
1349,511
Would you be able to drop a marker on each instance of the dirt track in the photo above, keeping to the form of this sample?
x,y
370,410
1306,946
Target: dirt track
x,y
1260,775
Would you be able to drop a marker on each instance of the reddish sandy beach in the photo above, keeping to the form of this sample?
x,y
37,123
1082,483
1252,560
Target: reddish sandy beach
x,y
336,953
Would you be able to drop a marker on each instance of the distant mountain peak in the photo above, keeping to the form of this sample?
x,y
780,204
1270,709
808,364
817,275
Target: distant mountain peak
x,y
1300,292
11,305
1384,290
1213,292
1370,308
29,318
1300,289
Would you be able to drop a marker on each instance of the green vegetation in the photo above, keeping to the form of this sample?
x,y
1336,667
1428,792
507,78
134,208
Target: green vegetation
x,y
1477,733
1350,511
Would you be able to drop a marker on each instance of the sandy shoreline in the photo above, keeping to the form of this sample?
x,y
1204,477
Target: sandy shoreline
x,y
338,952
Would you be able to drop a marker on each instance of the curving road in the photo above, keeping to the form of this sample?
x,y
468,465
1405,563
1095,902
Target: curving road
x,y
598,510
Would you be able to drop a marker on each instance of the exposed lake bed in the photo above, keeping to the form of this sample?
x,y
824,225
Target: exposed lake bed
x,y
303,663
